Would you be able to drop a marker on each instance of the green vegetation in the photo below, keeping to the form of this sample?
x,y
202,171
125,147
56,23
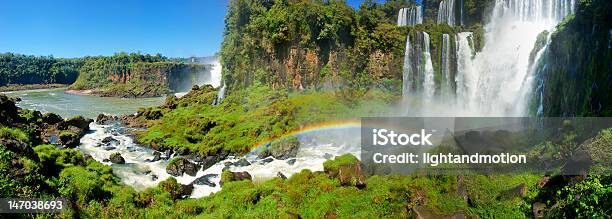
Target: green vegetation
x,y
22,69
132,75
122,74
578,74
249,116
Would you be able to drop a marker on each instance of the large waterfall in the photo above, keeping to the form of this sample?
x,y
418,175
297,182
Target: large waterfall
x,y
410,16
498,80
446,12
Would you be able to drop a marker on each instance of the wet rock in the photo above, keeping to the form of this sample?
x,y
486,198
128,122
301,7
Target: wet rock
x,y
291,161
105,160
242,163
328,156
422,212
87,157
104,119
266,160
347,169
109,148
186,190
180,165
154,177
116,158
538,209
110,140
69,139
156,157
282,149
210,160
52,118
281,175
228,176
205,180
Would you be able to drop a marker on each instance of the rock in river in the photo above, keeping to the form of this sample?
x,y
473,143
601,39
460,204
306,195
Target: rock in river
x,y
180,165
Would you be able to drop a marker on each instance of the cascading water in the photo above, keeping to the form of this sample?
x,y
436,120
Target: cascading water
x,y
410,16
429,85
497,80
445,67
446,12
418,71
220,95
406,81
466,80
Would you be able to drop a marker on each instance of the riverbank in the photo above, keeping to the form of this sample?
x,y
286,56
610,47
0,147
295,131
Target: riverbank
x,y
20,87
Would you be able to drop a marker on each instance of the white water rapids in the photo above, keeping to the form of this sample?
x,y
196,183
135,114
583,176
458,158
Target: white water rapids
x,y
140,173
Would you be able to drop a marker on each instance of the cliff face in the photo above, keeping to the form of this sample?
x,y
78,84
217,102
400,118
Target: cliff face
x,y
299,45
140,79
577,71
310,45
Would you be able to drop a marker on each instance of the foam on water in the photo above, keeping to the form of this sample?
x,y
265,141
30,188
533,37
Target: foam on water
x,y
316,148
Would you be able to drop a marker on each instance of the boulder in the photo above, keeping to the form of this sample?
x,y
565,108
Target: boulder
x,y
180,165
110,140
104,119
266,160
205,180
116,158
281,149
291,161
328,156
156,157
347,169
281,175
242,163
228,176
186,190
52,118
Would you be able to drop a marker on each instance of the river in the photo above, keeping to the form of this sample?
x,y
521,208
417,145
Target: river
x,y
69,105
139,172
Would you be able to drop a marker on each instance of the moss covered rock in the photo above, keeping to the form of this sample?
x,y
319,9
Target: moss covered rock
x,y
347,169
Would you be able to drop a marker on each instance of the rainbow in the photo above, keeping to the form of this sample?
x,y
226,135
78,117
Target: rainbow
x,y
334,125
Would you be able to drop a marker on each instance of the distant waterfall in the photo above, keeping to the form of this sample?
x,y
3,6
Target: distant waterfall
x,y
445,65
495,79
406,81
410,16
446,12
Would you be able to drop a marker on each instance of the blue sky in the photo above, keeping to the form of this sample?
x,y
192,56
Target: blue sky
x,y
76,28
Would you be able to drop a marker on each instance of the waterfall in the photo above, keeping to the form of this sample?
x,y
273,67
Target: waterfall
x,y
429,85
445,66
220,95
418,71
466,80
406,82
410,16
461,12
495,79
446,12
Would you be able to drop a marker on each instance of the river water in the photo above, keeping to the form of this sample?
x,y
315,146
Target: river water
x,y
69,105
139,172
